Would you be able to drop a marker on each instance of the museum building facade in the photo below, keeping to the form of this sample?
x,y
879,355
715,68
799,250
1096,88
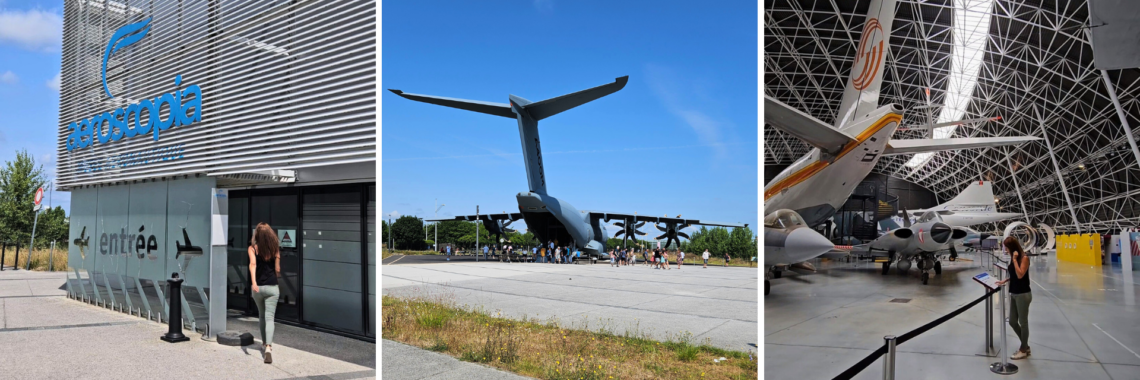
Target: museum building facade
x,y
184,124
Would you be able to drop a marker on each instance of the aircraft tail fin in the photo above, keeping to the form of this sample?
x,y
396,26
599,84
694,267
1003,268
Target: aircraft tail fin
x,y
861,96
553,106
980,193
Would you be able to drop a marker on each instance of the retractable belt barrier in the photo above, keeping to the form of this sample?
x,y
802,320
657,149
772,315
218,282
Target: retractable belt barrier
x,y
863,364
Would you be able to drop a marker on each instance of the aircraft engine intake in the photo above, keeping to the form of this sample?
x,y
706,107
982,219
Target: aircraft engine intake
x,y
940,233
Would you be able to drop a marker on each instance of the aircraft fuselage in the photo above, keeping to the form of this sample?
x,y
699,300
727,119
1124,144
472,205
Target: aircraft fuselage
x,y
816,185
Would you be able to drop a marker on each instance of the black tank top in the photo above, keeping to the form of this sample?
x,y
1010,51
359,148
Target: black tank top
x,y
266,270
1018,285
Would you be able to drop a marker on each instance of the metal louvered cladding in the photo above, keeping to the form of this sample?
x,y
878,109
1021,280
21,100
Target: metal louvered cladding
x,y
285,85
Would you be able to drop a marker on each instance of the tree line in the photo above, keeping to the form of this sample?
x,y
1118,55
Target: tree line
x,y
19,180
410,233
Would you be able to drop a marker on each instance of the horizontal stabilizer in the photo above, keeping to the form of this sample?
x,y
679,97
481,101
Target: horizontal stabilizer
x,y
804,127
937,145
950,123
497,109
553,106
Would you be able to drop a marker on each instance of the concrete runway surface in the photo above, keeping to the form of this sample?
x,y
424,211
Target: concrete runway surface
x,y
716,305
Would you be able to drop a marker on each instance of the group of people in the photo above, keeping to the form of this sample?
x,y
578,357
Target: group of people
x,y
657,258
551,253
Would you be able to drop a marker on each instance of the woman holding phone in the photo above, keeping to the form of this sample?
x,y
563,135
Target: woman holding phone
x,y
1020,296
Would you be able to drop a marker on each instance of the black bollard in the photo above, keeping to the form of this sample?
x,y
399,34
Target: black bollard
x,y
3,252
16,264
174,320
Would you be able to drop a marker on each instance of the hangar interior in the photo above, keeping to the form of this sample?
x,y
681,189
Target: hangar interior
x,y
1029,62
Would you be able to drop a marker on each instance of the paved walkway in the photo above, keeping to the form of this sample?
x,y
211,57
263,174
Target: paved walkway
x,y
718,304
404,362
45,335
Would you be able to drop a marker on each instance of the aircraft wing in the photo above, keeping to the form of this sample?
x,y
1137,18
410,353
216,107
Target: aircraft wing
x,y
804,127
483,217
896,147
607,216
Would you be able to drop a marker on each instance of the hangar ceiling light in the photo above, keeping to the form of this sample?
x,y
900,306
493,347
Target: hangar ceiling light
x,y
971,31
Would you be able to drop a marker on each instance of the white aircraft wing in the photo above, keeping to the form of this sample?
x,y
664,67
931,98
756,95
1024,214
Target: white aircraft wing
x,y
896,147
804,127
607,216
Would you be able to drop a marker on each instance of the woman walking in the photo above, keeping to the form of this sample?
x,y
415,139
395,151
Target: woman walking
x,y
1020,296
264,268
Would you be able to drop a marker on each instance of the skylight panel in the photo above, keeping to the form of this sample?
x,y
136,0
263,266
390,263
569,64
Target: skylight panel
x,y
971,29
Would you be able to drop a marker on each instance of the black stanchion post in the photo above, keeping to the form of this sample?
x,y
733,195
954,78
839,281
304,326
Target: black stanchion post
x,y
3,252
889,358
174,320
16,264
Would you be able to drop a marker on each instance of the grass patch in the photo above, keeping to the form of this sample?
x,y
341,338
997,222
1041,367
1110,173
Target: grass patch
x,y
547,350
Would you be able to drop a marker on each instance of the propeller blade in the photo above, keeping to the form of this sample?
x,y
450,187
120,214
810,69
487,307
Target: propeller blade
x,y
659,237
620,224
640,233
640,224
684,235
619,233
659,228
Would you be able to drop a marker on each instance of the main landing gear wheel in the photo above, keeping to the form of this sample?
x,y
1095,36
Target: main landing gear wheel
x,y
886,267
767,287
777,274
953,254
925,277
938,267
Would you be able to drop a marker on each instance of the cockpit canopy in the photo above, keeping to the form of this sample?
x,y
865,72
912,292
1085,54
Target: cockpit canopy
x,y
784,219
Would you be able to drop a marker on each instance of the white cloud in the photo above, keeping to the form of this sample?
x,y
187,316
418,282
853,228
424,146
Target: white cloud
x,y
34,29
9,77
667,85
53,83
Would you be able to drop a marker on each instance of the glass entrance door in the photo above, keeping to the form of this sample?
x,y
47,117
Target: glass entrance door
x,y
279,208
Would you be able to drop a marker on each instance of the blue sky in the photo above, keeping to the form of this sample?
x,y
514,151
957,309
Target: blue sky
x,y
29,82
680,138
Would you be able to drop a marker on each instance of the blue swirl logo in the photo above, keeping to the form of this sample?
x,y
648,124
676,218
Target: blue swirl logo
x,y
122,38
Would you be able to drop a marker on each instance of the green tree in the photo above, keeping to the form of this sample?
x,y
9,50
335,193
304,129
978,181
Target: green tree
x,y
408,232
742,244
19,180
52,226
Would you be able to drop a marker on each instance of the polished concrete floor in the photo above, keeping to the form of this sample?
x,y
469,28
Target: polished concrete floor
x,y
716,305
1084,322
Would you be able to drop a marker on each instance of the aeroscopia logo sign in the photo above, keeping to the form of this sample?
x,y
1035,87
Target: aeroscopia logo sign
x,y
122,38
140,118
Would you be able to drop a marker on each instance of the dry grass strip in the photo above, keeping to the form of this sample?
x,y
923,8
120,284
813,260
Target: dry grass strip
x,y
547,350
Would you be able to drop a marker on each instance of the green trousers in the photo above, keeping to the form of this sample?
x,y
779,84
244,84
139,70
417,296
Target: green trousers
x,y
266,300
1019,316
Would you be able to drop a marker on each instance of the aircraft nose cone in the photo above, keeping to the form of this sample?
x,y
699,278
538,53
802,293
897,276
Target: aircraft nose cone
x,y
940,233
807,242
